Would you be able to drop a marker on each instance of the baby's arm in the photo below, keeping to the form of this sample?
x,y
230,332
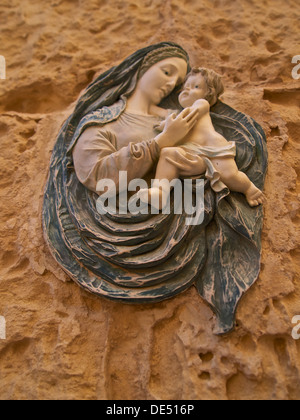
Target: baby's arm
x,y
202,105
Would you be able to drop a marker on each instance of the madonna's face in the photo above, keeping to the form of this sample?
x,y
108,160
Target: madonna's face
x,y
161,79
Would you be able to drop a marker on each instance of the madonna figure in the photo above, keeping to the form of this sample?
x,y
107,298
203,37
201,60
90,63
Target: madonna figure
x,y
145,258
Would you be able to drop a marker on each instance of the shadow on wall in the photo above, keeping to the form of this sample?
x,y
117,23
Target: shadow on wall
x,y
42,96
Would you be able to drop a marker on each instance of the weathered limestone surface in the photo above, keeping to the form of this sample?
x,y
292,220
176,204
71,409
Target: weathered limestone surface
x,y
63,343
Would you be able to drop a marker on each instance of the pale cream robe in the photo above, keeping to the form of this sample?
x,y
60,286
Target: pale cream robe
x,y
126,144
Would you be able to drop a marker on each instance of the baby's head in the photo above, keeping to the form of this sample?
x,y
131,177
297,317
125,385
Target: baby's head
x,y
201,83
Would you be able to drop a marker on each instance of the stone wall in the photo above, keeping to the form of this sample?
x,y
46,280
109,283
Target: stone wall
x,y
63,343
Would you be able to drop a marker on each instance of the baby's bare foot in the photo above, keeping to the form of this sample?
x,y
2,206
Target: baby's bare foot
x,y
254,196
143,195
152,196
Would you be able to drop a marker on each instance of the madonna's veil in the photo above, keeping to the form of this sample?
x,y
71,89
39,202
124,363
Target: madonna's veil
x,y
148,258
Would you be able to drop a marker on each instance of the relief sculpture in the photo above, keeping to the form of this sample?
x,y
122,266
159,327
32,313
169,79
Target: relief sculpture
x,y
156,117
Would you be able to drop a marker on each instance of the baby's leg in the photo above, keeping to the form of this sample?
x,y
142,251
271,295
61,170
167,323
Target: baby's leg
x,y
238,181
173,163
165,170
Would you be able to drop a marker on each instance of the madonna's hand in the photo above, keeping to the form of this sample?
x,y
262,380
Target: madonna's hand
x,y
176,128
187,163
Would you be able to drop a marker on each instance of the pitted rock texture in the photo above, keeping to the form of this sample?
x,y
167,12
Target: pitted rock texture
x,y
63,343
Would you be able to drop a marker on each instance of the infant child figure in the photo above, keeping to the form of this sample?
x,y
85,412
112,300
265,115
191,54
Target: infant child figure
x,y
209,152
